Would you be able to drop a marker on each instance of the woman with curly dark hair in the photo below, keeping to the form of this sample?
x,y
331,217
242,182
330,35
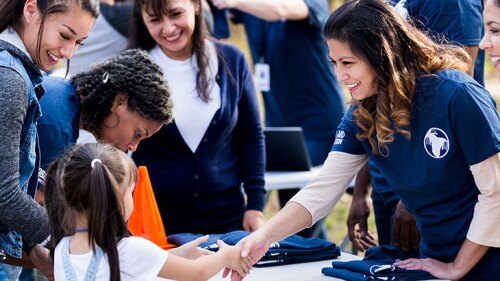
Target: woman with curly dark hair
x,y
431,129
120,101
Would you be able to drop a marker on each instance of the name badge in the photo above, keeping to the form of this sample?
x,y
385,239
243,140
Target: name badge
x,y
262,77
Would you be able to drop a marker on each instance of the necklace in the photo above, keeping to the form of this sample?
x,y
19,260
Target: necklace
x,y
81,230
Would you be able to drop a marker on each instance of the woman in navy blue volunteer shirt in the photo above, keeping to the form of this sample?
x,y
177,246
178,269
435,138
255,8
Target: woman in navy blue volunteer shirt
x,y
432,130
215,145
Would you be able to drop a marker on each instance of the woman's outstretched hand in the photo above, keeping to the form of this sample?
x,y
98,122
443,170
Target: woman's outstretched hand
x,y
253,248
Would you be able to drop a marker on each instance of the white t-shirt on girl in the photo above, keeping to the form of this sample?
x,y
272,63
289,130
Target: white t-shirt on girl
x,y
139,258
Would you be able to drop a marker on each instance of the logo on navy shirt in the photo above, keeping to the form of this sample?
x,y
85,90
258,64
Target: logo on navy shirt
x,y
436,143
402,8
382,268
339,137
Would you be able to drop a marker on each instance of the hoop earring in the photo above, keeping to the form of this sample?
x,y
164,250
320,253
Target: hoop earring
x,y
117,121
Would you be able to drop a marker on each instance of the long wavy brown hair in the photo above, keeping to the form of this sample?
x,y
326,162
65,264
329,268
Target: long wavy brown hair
x,y
399,53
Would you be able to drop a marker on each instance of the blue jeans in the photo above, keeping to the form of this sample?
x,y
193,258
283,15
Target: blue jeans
x,y
9,272
3,274
27,274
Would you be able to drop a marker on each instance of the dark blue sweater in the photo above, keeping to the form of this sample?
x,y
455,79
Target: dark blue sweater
x,y
201,192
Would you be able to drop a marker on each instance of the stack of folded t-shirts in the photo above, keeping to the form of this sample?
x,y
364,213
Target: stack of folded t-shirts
x,y
377,265
294,249
183,238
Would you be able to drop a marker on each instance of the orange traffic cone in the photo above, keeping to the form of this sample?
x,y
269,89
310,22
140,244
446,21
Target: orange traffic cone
x,y
145,220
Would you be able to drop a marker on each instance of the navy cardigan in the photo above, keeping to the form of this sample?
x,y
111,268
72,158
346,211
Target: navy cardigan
x,y
202,192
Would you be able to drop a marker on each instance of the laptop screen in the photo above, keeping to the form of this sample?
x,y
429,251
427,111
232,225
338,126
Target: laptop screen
x,y
286,149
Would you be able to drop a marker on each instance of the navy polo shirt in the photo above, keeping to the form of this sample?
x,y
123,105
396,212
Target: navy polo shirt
x,y
454,124
460,21
304,91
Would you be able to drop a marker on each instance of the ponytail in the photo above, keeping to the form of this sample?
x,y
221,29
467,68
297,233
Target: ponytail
x,y
86,181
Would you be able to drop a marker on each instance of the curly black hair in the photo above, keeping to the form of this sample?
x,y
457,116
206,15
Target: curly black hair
x,y
131,73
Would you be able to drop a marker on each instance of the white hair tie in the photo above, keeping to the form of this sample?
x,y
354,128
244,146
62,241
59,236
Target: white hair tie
x,y
92,164
105,78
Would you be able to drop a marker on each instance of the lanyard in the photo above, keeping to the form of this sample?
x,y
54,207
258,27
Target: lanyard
x,y
91,269
264,29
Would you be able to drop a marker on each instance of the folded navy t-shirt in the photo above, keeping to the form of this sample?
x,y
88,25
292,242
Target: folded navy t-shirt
x,y
294,249
378,264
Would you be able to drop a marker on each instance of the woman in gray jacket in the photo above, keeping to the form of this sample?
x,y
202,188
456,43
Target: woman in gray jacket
x,y
34,36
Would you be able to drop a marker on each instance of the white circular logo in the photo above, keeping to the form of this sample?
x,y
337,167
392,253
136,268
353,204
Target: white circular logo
x,y
436,143
384,268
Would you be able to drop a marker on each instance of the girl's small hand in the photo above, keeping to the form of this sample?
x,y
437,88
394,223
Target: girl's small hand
x,y
438,269
191,250
247,264
254,246
234,259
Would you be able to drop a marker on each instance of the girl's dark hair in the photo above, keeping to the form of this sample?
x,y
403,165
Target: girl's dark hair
x,y
131,73
11,12
398,53
140,38
497,2
76,188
